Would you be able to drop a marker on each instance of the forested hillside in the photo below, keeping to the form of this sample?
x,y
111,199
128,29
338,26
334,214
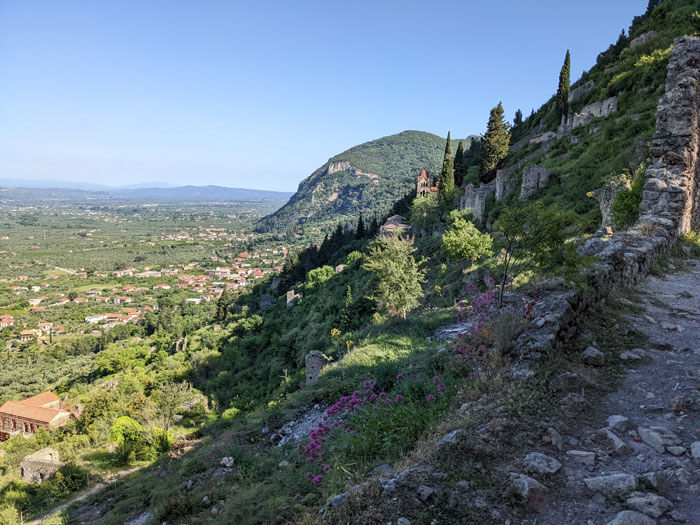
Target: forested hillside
x,y
366,179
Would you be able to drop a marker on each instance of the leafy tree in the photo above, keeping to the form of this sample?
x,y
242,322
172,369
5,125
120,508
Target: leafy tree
x,y
398,276
425,213
169,398
319,275
460,165
695,20
463,240
496,142
128,434
652,5
447,176
537,238
562,98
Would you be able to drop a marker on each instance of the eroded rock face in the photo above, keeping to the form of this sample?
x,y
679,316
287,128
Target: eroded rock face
x,y
672,191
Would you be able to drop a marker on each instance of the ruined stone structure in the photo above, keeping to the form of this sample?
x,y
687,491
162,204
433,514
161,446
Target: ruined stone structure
x,y
424,184
642,39
672,189
394,225
292,298
580,90
606,196
599,109
543,137
504,184
534,177
29,415
40,466
314,364
474,199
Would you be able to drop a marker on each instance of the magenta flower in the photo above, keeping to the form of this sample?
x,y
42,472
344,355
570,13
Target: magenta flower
x,y
309,476
318,479
430,398
286,507
399,398
297,496
441,387
326,468
373,397
436,379
399,376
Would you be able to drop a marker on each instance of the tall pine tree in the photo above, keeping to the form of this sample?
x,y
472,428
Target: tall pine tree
x,y
447,175
562,100
460,166
495,144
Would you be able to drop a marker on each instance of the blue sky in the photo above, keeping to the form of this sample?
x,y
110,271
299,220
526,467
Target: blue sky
x,y
259,94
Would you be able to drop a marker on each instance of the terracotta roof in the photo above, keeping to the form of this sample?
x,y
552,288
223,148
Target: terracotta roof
x,y
45,415
41,399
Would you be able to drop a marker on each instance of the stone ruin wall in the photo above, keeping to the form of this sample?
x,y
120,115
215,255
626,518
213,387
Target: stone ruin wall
x,y
672,188
670,206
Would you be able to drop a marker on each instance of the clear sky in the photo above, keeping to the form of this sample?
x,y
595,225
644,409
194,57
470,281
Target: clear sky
x,y
259,94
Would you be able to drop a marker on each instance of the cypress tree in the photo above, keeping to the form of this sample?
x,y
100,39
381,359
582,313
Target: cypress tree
x,y
496,142
460,166
360,232
562,100
447,175
518,120
374,227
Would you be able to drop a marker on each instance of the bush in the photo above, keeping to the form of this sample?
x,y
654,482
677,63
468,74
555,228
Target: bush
x,y
625,206
462,240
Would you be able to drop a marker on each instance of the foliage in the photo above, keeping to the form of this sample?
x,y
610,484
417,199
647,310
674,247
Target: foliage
x,y
562,97
496,142
538,238
447,177
319,275
462,240
425,213
625,206
460,165
398,276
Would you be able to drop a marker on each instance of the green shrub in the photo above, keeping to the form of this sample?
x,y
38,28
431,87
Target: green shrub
x,y
625,206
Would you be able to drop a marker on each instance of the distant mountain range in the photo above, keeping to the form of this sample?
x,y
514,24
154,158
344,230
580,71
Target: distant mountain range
x,y
146,191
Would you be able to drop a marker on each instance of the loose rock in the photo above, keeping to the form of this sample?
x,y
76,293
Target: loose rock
x,y
538,463
650,504
593,356
630,517
613,485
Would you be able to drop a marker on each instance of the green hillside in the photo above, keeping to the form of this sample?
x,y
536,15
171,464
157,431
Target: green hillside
x,y
379,173
634,71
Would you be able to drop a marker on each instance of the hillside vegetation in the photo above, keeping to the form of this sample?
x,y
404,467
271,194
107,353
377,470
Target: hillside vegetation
x,y
389,167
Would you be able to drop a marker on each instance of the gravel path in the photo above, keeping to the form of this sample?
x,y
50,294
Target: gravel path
x,y
639,462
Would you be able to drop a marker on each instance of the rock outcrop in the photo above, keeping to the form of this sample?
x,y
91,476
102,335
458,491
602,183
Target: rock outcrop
x,y
671,191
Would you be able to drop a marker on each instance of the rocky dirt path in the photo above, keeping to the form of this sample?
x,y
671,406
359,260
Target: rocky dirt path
x,y
637,459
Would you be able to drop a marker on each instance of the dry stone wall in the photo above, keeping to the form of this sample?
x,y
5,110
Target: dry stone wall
x,y
672,188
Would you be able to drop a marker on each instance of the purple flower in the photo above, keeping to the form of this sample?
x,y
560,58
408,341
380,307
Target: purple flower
x,y
297,497
309,476
441,387
430,398
399,398
326,468
318,479
382,394
286,507
436,379
373,397
399,376
368,384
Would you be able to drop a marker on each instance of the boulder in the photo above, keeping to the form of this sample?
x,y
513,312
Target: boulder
x,y
650,504
538,463
593,356
532,491
630,517
613,485
582,456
